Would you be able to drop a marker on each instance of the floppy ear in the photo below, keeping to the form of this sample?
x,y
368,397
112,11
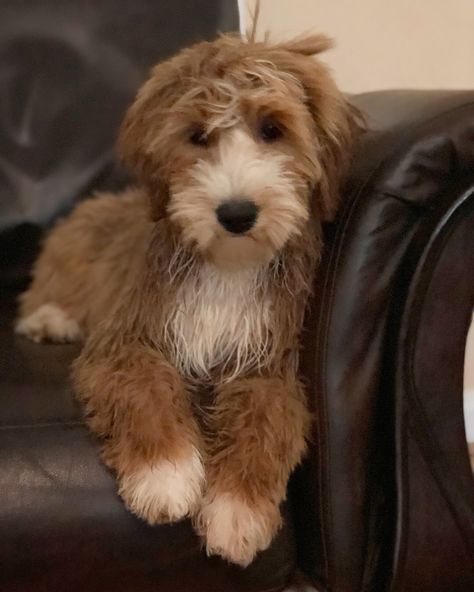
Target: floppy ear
x,y
139,135
338,124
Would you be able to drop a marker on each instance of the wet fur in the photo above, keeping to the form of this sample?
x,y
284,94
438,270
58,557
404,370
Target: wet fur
x,y
171,305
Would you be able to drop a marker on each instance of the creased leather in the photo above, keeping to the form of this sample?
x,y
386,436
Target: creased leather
x,y
413,165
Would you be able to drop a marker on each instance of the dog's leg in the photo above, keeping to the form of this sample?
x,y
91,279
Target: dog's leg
x,y
138,403
258,436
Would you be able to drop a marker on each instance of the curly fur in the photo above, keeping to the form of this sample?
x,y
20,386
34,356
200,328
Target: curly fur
x,y
171,305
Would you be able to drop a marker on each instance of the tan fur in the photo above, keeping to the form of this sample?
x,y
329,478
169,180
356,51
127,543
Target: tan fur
x,y
256,436
172,305
91,258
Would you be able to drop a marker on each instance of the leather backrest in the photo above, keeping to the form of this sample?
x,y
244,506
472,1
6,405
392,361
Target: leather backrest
x,y
68,70
420,148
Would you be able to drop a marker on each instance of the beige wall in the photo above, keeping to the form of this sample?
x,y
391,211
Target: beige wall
x,y
385,43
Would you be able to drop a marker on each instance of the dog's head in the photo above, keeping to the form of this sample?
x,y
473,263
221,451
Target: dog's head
x,y
240,145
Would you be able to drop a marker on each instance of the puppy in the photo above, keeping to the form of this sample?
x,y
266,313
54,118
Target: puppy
x,y
196,281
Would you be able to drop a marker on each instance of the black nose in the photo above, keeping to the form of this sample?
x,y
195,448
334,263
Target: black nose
x,y
237,215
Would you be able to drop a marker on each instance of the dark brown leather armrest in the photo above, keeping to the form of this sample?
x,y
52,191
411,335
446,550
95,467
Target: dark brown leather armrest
x,y
384,354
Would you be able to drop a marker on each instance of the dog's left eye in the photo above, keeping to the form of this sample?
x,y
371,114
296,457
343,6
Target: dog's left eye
x,y
269,131
199,137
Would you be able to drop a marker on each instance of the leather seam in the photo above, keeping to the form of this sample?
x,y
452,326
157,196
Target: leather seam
x,y
418,418
335,256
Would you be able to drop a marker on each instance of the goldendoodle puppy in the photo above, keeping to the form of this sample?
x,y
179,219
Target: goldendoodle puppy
x,y
196,281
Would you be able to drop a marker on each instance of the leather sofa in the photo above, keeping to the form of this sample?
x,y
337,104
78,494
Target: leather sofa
x,y
385,499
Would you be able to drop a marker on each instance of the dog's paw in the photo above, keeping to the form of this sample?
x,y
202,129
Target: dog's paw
x,y
49,323
165,491
236,531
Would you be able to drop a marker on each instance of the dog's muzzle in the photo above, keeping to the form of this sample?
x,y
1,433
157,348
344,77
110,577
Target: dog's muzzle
x,y
237,215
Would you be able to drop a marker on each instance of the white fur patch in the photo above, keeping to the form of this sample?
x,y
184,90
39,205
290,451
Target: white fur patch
x,y
49,322
240,170
166,491
219,320
233,530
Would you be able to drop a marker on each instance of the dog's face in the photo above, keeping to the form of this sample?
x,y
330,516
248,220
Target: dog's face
x,y
240,145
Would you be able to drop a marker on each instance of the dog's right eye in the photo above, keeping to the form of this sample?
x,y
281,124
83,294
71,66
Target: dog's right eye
x,y
270,131
199,137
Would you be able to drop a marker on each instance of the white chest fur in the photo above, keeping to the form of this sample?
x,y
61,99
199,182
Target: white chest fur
x,y
220,320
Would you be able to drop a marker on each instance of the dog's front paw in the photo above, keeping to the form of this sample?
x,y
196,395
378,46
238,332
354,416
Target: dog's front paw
x,y
49,322
235,530
165,491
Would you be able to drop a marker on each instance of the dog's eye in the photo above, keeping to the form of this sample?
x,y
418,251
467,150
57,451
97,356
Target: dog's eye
x,y
269,131
199,137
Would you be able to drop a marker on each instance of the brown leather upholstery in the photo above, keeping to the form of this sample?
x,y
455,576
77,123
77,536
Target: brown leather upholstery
x,y
391,502
385,499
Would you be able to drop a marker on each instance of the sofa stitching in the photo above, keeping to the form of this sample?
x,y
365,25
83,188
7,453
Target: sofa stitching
x,y
335,257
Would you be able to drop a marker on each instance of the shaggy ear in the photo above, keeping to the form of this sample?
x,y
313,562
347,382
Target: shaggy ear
x,y
308,45
338,124
140,132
